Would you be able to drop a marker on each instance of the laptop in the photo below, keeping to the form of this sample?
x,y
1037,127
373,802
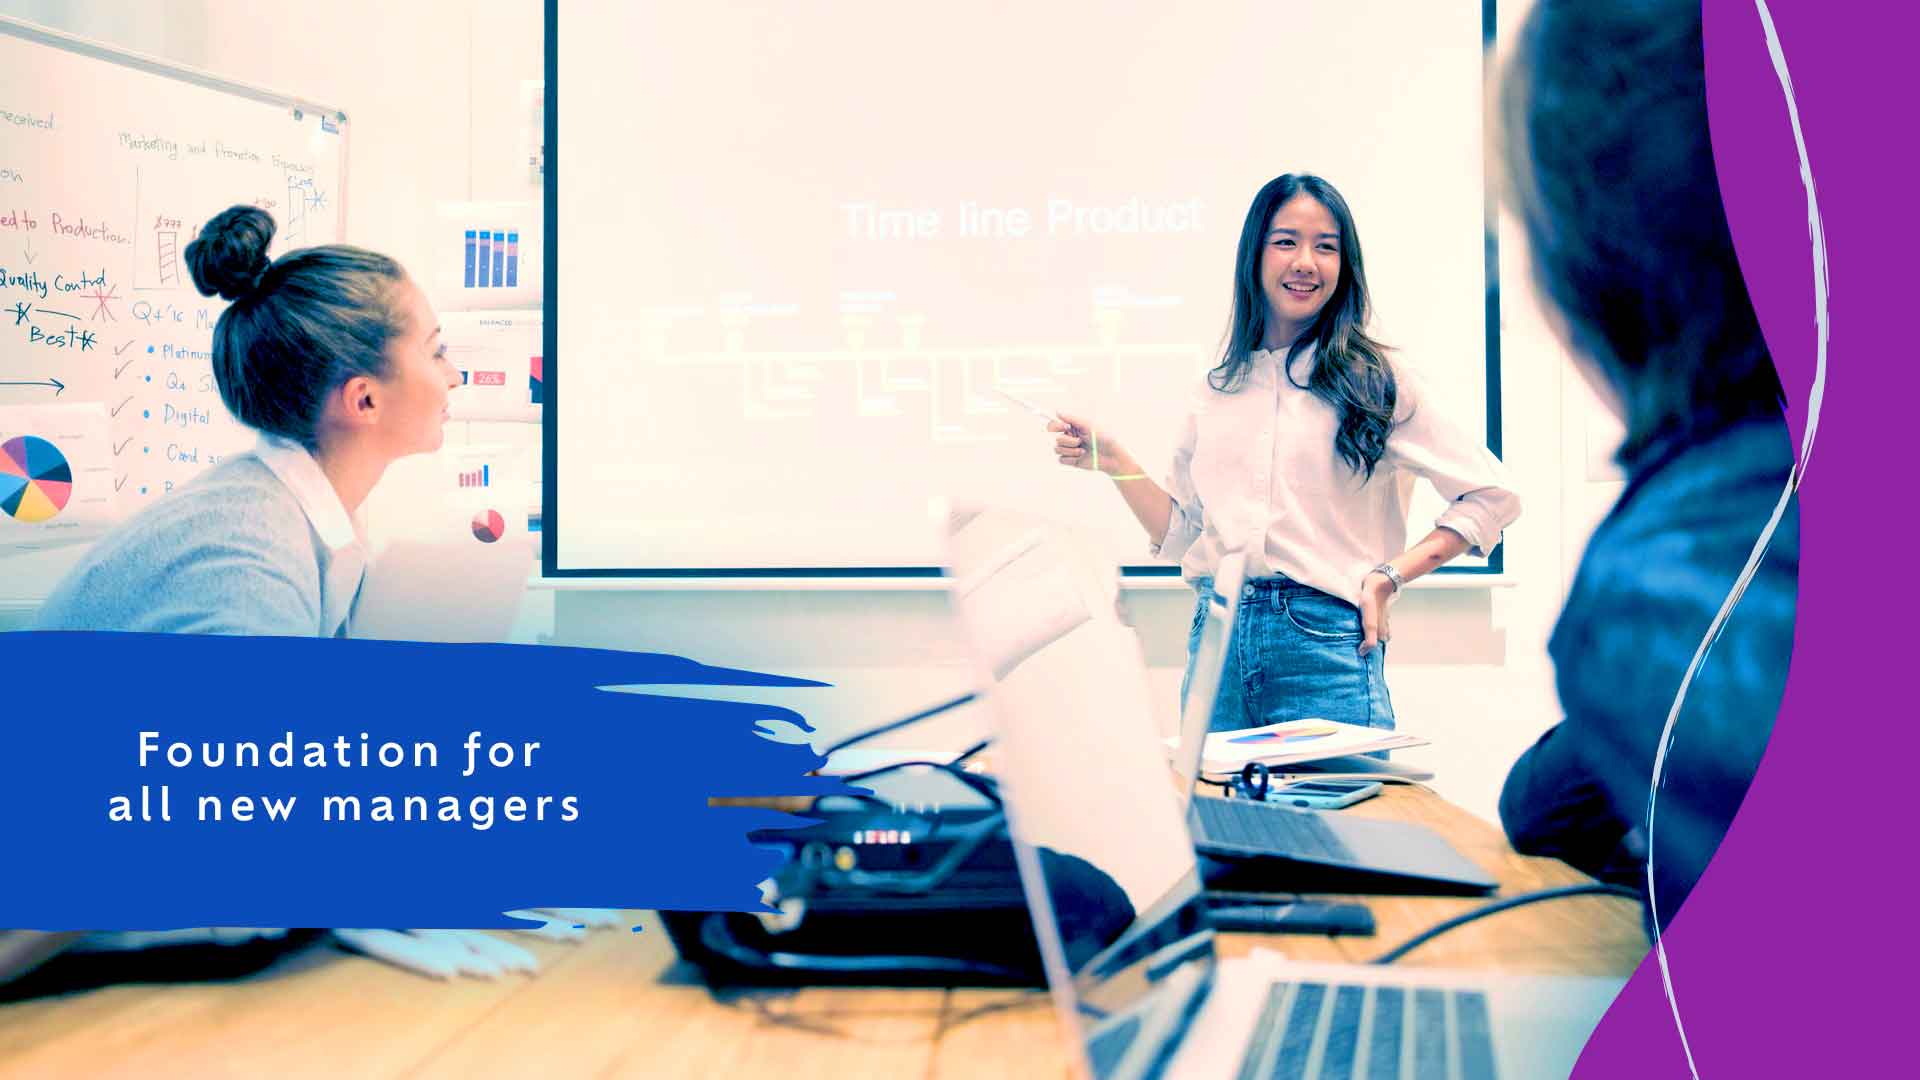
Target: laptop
x,y
1254,843
432,590
1113,886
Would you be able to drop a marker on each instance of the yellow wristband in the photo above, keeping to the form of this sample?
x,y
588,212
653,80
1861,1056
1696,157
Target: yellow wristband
x,y
1093,439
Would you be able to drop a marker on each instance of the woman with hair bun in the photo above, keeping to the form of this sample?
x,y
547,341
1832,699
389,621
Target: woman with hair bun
x,y
334,355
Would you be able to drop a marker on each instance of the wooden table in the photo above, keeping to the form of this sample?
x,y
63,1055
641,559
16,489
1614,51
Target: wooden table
x,y
621,1004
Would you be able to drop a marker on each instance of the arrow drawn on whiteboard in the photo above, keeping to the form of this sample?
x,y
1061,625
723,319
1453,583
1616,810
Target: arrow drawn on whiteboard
x,y
29,250
57,385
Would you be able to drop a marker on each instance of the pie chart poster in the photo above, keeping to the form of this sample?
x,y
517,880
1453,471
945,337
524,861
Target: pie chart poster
x,y
36,482
56,483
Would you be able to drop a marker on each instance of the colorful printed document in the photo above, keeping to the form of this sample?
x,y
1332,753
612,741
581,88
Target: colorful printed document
x,y
1296,741
56,478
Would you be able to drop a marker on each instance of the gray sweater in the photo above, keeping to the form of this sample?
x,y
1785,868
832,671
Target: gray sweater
x,y
234,552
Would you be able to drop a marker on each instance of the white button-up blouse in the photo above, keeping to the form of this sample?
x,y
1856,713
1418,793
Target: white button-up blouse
x,y
1256,470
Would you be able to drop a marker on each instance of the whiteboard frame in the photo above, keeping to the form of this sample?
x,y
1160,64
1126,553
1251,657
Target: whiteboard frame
x,y
152,65
14,602
1493,574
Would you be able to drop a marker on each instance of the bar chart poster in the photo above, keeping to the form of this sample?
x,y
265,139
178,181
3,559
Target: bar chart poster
x,y
491,490
497,354
485,255
472,494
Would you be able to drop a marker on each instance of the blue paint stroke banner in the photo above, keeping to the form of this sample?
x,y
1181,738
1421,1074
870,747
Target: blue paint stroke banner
x,y
528,781
1792,957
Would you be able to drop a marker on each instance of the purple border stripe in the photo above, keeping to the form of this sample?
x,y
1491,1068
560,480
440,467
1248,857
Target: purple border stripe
x,y
1793,957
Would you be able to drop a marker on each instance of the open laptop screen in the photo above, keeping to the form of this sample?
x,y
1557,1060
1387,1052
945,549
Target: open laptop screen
x,y
1106,862
1222,596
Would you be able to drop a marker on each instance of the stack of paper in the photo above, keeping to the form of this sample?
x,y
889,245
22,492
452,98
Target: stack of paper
x,y
1295,742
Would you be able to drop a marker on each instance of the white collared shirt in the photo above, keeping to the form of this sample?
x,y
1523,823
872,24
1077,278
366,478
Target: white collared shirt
x,y
341,532
1256,470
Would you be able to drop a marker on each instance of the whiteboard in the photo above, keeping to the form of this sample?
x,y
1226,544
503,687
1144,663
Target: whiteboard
x,y
791,261
109,164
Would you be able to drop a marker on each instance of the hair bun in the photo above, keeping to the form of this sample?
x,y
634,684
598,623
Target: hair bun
x,y
230,254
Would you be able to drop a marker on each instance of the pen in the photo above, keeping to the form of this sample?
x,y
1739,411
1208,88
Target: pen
x,y
1036,410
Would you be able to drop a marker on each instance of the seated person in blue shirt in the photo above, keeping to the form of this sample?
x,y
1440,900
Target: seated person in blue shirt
x,y
1613,179
334,355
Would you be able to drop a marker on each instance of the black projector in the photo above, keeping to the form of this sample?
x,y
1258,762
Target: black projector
x,y
877,894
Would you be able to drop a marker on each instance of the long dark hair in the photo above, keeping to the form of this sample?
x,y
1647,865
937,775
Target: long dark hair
x,y
1350,370
298,328
1611,171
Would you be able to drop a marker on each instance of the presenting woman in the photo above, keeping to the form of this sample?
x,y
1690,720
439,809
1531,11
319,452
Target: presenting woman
x,y
1301,449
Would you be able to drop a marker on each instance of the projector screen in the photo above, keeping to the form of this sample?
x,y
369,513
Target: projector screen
x,y
793,249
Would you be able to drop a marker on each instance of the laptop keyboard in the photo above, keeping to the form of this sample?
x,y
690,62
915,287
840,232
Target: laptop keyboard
x,y
1263,827
1318,1031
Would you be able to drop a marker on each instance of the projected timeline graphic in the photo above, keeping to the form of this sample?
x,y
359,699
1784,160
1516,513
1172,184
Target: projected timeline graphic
x,y
895,405
775,360
882,371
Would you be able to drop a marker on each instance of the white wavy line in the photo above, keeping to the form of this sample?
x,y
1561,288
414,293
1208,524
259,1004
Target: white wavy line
x,y
1817,237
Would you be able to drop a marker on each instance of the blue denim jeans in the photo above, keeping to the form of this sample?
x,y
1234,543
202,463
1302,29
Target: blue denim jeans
x,y
1294,654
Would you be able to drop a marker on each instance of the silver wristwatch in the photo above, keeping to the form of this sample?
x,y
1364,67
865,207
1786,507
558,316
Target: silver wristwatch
x,y
1387,570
